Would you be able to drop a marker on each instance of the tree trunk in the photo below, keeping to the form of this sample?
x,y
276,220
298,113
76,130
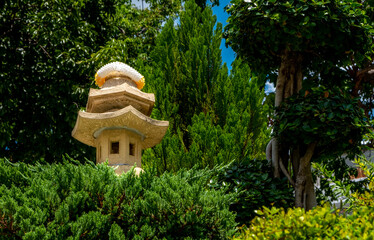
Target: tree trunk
x,y
290,77
305,196
289,82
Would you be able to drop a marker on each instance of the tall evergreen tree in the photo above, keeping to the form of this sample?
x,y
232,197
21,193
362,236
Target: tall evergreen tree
x,y
214,117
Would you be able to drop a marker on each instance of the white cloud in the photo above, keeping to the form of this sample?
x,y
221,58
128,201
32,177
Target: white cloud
x,y
269,87
140,4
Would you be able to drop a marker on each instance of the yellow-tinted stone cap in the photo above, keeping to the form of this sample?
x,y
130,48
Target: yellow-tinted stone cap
x,y
106,70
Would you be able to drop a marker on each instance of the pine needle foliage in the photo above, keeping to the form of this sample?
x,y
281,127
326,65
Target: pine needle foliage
x,y
75,201
214,116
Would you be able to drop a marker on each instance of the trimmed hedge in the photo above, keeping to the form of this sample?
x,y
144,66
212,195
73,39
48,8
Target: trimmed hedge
x,y
74,201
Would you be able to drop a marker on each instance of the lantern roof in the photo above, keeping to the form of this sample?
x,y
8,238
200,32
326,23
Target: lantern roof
x,y
119,92
90,125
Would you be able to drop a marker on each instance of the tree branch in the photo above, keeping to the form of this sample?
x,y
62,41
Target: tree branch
x,y
45,51
305,160
284,170
366,70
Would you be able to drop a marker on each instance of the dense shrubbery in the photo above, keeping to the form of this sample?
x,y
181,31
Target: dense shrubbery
x,y
71,201
324,222
255,188
63,201
319,223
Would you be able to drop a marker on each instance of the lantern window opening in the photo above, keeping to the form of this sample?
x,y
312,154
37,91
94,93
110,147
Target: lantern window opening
x,y
114,148
132,149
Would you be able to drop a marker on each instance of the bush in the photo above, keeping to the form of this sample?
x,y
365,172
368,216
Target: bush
x,y
329,117
319,223
358,199
75,201
356,222
255,188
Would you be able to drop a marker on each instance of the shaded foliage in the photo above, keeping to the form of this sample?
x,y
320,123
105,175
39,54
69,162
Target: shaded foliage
x,y
255,186
326,33
335,184
50,51
322,222
307,44
329,117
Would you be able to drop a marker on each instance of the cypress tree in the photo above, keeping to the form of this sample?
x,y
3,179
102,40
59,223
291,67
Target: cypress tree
x,y
214,116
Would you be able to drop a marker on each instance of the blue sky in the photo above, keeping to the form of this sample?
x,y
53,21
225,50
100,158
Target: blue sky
x,y
228,55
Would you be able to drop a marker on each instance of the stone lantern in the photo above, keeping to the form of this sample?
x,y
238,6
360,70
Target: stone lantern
x,y
116,121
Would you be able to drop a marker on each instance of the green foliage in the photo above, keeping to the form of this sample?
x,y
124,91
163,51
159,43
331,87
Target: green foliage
x,y
331,37
310,44
319,223
186,66
363,199
326,116
255,186
331,119
335,183
214,118
69,201
355,222
50,51
331,32
358,198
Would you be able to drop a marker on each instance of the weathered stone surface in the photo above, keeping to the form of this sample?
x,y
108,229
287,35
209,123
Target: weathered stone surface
x,y
116,94
126,139
126,118
117,122
117,78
